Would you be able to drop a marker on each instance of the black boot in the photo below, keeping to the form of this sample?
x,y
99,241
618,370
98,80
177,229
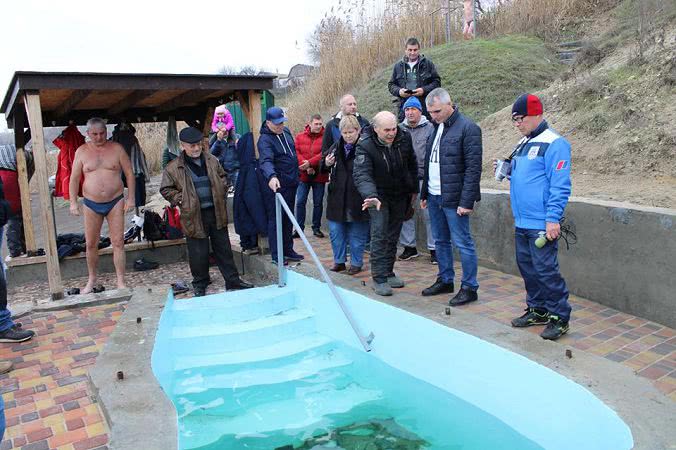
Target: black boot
x,y
237,284
465,295
439,287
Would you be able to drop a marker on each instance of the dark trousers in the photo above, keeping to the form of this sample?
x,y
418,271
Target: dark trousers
x,y
16,240
198,252
248,241
289,195
385,228
5,316
539,267
317,203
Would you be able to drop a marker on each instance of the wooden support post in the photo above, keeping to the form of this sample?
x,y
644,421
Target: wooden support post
x,y
34,112
255,121
251,105
24,187
206,126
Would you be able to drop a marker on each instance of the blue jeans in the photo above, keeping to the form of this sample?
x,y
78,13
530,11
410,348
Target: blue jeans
x,y
353,232
5,316
317,203
450,229
539,267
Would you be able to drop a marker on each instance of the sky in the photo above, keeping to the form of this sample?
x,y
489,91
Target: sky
x,y
149,36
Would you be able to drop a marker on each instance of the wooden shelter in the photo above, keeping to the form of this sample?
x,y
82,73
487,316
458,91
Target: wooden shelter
x,y
37,99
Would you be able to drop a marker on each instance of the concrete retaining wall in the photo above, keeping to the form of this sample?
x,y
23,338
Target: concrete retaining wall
x,y
625,256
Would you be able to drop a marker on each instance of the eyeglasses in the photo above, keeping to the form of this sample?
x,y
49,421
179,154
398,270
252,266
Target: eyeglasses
x,y
518,119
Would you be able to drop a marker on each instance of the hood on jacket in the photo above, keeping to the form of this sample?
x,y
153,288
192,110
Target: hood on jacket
x,y
423,121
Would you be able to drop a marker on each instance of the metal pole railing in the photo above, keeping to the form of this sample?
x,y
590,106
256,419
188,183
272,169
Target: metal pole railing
x,y
281,203
280,244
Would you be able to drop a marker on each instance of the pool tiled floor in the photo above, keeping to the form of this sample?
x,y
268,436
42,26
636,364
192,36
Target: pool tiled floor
x,y
49,404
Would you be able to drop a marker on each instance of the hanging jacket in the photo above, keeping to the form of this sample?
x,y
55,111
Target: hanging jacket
x,y
388,173
343,203
540,179
309,147
278,157
67,142
460,152
253,198
125,135
173,148
332,130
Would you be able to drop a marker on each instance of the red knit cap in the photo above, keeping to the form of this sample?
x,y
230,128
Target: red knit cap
x,y
527,105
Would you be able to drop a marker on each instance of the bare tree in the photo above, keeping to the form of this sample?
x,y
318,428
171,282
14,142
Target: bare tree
x,y
244,70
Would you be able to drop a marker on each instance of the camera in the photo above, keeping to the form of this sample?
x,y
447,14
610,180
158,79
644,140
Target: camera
x,y
503,169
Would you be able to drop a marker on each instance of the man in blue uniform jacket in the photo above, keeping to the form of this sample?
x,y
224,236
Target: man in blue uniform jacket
x,y
539,190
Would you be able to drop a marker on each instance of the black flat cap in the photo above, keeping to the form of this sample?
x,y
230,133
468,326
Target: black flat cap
x,y
190,135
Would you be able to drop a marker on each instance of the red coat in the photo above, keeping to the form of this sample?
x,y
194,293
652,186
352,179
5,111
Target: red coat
x,y
68,142
309,147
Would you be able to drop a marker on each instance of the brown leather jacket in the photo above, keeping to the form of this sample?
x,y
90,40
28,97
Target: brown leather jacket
x,y
177,187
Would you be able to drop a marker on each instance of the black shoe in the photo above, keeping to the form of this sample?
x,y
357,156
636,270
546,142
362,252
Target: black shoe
x,y
338,267
464,296
16,334
318,233
294,257
295,235
555,328
144,264
439,287
237,284
532,316
433,257
199,293
286,262
132,233
408,253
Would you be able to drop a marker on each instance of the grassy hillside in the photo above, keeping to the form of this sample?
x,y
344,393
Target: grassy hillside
x,y
482,76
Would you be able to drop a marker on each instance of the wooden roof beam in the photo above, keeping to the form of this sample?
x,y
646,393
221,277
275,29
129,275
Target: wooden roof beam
x,y
191,96
71,102
130,100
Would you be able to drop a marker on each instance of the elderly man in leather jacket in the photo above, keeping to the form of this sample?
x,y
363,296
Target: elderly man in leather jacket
x,y
195,182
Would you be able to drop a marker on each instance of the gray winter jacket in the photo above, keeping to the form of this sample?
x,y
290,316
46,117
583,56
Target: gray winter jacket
x,y
419,135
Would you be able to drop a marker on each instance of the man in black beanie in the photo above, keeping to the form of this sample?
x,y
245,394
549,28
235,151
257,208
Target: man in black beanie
x,y
196,183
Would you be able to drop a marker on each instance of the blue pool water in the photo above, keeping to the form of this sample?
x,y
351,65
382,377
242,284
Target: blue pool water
x,y
273,367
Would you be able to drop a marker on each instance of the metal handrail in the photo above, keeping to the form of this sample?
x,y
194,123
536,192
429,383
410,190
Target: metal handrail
x,y
279,204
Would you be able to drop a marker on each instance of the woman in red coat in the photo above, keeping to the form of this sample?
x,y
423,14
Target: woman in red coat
x,y
309,153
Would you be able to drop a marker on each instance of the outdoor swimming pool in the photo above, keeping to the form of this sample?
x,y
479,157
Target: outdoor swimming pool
x,y
280,368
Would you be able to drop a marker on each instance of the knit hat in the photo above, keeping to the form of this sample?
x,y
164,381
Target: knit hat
x,y
413,102
527,105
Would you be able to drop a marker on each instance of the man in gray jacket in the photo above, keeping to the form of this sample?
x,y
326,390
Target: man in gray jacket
x,y
420,129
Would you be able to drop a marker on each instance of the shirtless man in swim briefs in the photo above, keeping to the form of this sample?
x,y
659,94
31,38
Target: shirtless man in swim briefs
x,y
102,163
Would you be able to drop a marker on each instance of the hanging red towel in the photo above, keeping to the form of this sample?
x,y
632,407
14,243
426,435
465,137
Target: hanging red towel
x,y
68,142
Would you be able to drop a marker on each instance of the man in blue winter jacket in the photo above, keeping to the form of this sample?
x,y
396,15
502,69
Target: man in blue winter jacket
x,y
539,190
279,165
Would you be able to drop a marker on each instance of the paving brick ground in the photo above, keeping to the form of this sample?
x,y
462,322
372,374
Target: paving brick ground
x,y
49,404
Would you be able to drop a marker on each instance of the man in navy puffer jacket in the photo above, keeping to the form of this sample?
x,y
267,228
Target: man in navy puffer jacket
x,y
450,189
539,190
279,164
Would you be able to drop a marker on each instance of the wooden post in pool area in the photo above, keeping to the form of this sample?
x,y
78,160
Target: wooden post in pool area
x,y
251,106
24,187
34,112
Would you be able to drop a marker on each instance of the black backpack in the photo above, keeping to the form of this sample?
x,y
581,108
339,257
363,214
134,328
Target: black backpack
x,y
153,226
